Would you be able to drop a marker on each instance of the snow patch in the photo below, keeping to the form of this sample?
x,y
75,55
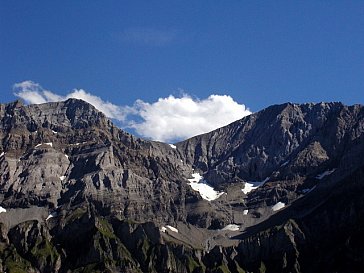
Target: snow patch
x,y
66,156
53,214
326,173
206,191
173,146
196,177
54,132
278,206
232,227
164,229
249,186
2,209
47,143
62,177
245,212
2,154
172,228
285,163
78,143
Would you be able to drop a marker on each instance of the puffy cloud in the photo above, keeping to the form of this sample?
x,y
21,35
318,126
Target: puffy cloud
x,y
30,92
171,119
168,119
33,93
109,109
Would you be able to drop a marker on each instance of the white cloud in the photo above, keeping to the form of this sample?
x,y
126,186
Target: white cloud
x,y
109,109
33,93
168,119
30,92
171,118
51,96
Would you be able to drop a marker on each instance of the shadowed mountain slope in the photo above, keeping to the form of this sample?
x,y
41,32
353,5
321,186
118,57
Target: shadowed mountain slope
x,y
277,191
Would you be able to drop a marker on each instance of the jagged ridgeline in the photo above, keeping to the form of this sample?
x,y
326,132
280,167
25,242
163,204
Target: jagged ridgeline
x,y
281,190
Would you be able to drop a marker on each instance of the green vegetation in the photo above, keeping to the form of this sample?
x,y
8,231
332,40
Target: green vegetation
x,y
105,241
223,268
15,267
44,250
239,269
76,214
88,269
145,246
105,228
124,252
262,267
14,263
192,264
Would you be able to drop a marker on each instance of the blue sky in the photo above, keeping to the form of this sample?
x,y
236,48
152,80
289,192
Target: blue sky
x,y
257,52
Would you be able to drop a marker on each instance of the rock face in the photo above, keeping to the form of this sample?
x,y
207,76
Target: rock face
x,y
68,153
290,144
80,195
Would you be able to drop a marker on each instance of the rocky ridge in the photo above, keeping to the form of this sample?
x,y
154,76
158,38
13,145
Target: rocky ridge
x,y
82,195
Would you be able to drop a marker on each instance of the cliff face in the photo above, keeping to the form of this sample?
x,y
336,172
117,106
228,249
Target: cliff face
x,y
292,145
298,137
66,153
82,195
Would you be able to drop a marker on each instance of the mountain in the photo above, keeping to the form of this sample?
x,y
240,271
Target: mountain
x,y
280,190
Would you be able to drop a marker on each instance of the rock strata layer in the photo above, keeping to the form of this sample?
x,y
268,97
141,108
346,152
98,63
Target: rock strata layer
x,y
77,194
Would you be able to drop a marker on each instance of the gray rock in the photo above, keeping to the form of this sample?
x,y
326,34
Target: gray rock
x,y
82,195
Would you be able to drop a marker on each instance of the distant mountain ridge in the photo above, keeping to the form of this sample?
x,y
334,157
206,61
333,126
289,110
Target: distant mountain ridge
x,y
82,195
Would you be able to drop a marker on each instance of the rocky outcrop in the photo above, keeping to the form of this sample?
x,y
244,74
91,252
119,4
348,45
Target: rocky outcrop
x,y
80,195
65,153
291,135
290,144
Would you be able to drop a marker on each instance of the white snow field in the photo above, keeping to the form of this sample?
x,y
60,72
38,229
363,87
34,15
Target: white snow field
x,y
207,192
278,206
53,214
48,143
2,209
252,185
164,229
232,227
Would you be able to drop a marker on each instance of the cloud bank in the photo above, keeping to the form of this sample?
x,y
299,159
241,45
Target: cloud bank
x,y
180,118
168,119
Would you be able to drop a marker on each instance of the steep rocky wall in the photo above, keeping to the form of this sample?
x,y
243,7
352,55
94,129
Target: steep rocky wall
x,y
82,195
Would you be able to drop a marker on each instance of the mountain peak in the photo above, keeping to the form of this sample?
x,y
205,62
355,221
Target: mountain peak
x,y
75,183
